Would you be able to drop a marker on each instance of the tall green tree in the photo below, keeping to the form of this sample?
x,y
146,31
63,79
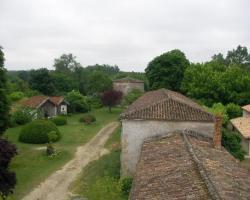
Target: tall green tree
x,y
66,63
4,103
238,56
98,82
7,150
41,81
167,70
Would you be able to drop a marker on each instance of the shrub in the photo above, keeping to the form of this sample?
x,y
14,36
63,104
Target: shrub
x,y
219,108
126,184
233,110
37,132
231,141
59,121
7,177
21,116
94,101
77,102
15,96
50,149
87,119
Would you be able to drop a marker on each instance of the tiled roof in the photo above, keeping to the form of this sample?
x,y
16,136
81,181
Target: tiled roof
x,y
56,99
35,101
242,124
164,104
246,107
128,80
182,166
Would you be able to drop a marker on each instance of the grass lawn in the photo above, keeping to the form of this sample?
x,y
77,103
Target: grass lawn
x,y
31,164
101,178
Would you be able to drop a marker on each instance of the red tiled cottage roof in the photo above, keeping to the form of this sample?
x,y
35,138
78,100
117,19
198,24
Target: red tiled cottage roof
x,y
56,99
168,105
37,101
182,166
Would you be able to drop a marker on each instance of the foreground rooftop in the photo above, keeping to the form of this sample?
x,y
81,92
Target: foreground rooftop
x,y
187,166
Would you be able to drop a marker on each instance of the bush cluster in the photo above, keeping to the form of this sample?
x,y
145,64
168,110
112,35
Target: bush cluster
x,y
21,116
39,132
87,119
15,96
59,120
126,184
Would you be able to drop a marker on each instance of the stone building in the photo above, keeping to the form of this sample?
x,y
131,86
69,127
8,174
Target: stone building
x,y
159,113
246,110
46,107
125,85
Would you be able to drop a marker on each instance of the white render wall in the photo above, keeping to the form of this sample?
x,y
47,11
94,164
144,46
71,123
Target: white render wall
x,y
134,132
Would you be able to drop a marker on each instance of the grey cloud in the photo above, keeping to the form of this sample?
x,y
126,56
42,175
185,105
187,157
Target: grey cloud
x,y
127,33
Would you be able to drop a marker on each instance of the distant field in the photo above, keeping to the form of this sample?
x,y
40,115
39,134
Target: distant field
x,y
32,165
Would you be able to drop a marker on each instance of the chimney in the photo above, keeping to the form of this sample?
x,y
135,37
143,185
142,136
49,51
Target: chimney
x,y
217,132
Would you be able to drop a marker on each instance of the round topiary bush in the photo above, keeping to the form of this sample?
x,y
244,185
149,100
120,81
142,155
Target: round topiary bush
x,y
87,119
37,132
59,121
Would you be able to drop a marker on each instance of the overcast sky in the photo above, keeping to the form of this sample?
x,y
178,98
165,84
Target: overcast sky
x,y
128,33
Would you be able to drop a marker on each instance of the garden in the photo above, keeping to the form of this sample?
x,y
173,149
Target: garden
x,y
32,164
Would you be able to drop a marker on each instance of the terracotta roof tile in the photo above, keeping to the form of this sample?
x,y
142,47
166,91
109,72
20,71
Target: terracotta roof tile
x,y
35,101
164,104
56,99
246,107
242,124
167,170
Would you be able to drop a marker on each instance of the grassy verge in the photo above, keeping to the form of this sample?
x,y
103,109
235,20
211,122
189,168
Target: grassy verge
x,y
32,165
101,178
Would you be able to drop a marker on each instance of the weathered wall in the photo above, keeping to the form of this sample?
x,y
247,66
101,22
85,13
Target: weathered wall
x,y
62,108
126,87
246,114
48,109
134,132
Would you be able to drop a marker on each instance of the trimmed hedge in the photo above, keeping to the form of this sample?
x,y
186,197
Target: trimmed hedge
x,y
37,132
59,121
87,119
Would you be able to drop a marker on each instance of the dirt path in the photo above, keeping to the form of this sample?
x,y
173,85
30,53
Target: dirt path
x,y
55,187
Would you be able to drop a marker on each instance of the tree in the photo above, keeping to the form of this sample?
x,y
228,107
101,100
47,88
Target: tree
x,y
4,103
41,80
238,56
77,102
66,63
132,96
212,82
233,110
7,150
167,70
98,82
111,98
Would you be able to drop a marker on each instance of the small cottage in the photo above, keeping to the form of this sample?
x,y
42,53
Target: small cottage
x,y
158,113
46,107
125,85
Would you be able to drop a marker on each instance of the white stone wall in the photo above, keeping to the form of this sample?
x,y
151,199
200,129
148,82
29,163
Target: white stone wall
x,y
134,132
246,114
125,88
